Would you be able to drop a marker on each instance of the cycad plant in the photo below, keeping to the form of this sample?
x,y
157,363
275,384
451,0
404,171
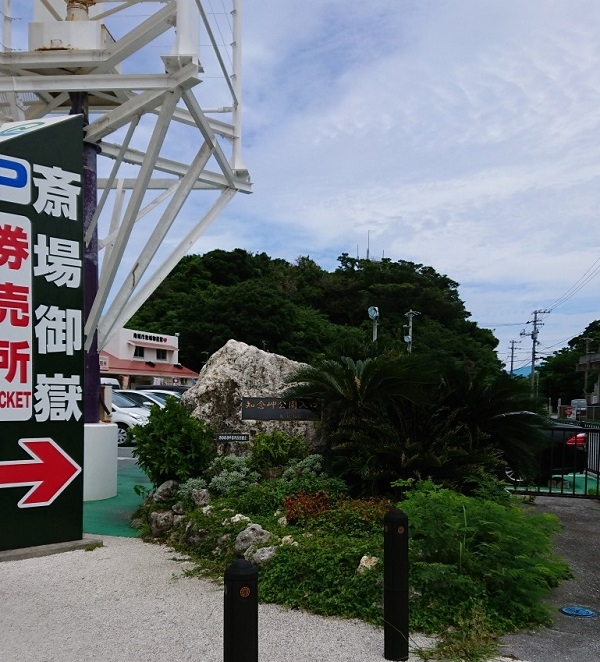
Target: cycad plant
x,y
366,407
396,416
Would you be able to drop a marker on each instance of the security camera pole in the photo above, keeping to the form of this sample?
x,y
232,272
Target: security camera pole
x,y
408,338
373,312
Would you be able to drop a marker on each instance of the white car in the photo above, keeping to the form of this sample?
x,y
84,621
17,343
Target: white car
x,y
163,393
144,398
126,413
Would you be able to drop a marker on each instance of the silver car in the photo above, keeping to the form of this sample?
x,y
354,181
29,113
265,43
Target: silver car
x,y
126,413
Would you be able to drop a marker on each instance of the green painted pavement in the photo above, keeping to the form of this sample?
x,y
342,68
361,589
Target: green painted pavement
x,y
112,517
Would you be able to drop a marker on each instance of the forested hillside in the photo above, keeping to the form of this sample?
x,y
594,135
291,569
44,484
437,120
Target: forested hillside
x,y
303,312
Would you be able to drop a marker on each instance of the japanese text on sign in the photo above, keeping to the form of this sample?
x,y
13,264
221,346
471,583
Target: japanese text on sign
x,y
278,409
24,257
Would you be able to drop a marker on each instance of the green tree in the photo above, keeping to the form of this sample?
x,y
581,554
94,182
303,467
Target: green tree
x,y
304,312
558,374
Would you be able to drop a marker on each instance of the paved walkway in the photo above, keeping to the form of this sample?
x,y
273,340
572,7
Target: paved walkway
x,y
569,638
112,517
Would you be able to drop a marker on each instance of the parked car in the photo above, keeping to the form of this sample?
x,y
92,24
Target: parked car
x,y
110,381
565,452
126,413
162,394
144,398
173,389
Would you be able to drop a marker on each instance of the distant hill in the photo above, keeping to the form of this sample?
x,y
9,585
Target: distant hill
x,y
525,371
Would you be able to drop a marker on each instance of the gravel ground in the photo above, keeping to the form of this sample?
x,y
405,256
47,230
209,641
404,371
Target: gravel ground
x,y
129,601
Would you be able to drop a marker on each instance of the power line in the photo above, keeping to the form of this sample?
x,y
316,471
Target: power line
x,y
583,280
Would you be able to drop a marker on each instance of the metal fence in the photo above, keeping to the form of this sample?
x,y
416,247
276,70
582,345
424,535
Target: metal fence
x,y
568,466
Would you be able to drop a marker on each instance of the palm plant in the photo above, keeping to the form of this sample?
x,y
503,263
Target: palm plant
x,y
392,416
496,412
365,404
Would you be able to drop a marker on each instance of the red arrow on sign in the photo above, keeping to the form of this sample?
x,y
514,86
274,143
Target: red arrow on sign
x,y
50,472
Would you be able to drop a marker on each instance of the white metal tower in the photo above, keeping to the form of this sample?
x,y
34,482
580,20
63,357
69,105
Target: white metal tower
x,y
163,84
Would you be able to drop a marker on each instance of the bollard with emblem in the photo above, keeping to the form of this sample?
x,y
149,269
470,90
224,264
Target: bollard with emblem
x,y
240,622
395,585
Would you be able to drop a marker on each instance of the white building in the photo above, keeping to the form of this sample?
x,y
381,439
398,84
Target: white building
x,y
139,358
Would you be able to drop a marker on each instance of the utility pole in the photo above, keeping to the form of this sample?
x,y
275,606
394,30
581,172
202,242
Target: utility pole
x,y
587,365
512,354
408,338
534,334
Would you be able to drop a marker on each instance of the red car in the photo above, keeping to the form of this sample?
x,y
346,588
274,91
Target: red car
x,y
578,440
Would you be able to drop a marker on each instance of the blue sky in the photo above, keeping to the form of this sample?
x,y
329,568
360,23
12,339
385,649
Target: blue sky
x,y
459,134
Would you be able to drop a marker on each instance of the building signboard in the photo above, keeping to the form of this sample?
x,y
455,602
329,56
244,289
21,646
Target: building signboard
x,y
278,409
41,332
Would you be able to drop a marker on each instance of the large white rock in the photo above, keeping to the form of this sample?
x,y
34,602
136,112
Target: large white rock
x,y
238,370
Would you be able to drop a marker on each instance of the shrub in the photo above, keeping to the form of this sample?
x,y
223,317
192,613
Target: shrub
x,y
275,449
320,576
358,515
301,507
311,484
478,568
310,467
230,473
186,490
173,445
469,554
267,497
262,499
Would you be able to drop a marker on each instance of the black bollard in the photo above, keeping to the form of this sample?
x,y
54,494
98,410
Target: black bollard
x,y
240,623
395,585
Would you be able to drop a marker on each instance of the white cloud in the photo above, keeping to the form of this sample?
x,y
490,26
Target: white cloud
x,y
464,136
460,135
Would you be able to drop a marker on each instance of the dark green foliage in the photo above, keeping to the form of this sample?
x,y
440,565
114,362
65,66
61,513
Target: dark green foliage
x,y
475,566
275,449
394,416
320,576
302,312
262,499
358,516
173,445
478,568
468,553
479,422
267,497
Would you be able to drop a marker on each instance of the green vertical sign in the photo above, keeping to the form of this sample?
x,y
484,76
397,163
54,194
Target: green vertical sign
x,y
41,332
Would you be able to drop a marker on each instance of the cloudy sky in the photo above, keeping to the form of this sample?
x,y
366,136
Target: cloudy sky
x,y
459,134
